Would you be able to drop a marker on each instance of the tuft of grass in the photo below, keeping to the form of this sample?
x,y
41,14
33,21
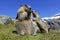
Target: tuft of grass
x,y
6,34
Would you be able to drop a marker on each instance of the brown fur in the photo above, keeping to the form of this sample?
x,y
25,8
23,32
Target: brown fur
x,y
25,27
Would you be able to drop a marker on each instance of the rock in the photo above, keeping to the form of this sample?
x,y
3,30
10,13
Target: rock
x,y
5,19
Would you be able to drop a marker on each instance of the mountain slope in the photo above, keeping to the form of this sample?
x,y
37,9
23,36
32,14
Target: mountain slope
x,y
53,22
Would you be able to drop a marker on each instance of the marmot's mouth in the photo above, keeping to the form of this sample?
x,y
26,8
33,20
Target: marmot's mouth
x,y
22,16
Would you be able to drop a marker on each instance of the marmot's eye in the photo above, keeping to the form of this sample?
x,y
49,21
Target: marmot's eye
x,y
26,10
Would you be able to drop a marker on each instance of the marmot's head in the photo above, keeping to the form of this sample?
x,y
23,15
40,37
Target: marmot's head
x,y
24,12
35,13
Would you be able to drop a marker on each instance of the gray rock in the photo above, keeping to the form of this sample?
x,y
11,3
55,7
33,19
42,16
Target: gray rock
x,y
5,19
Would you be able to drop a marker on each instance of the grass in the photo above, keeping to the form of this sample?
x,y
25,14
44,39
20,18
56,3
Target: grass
x,y
6,34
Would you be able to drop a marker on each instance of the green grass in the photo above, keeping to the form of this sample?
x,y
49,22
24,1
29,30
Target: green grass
x,y
6,34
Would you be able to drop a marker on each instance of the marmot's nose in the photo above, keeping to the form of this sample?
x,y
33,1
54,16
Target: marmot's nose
x,y
21,12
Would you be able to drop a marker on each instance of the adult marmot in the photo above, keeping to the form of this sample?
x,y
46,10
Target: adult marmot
x,y
24,25
41,25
